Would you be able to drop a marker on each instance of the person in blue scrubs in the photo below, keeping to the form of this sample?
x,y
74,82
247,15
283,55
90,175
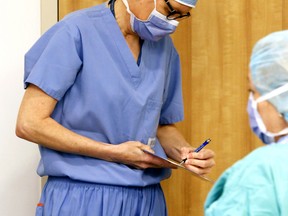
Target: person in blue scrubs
x,y
102,85
257,184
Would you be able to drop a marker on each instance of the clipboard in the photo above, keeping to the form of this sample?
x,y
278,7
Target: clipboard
x,y
181,166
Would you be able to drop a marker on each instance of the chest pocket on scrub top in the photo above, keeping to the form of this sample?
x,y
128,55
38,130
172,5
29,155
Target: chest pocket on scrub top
x,y
141,121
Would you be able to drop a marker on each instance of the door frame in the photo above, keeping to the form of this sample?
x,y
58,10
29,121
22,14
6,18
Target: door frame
x,y
49,14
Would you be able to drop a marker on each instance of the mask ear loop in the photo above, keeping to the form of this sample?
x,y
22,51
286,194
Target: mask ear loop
x,y
258,118
132,16
128,9
273,93
125,2
283,132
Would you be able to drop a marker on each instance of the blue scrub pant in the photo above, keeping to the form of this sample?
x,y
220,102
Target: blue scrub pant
x,y
66,197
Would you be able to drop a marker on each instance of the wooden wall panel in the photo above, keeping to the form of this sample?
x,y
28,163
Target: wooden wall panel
x,y
222,35
67,6
285,14
214,46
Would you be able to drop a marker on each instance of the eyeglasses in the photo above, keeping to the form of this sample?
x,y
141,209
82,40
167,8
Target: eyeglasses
x,y
173,15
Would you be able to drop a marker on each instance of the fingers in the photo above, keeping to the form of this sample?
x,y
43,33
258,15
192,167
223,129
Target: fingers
x,y
200,167
204,164
147,148
204,154
200,162
151,160
138,155
185,152
199,170
157,162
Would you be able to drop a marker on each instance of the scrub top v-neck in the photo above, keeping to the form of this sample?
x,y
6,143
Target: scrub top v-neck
x,y
85,63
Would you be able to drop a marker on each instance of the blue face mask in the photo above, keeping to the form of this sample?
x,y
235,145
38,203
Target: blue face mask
x,y
154,28
256,123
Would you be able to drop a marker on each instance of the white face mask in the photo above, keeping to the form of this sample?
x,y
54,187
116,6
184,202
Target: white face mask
x,y
155,27
256,122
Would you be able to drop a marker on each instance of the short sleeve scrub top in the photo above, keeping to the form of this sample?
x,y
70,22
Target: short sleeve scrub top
x,y
102,93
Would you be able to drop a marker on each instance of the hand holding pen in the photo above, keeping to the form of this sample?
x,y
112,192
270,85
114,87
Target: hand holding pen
x,y
197,149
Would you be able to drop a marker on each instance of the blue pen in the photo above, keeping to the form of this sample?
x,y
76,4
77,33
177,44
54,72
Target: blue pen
x,y
198,149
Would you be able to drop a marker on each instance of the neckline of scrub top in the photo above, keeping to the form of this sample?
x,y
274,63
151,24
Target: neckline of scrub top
x,y
123,48
111,4
140,53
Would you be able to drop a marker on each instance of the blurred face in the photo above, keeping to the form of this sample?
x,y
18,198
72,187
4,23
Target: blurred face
x,y
143,8
173,9
272,119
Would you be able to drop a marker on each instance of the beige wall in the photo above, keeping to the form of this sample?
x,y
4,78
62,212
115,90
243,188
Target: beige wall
x,y
19,183
214,46
49,14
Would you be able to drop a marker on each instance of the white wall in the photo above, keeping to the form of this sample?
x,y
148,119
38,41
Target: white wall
x,y
19,184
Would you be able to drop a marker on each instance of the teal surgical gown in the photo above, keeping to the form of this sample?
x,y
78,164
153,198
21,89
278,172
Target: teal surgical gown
x,y
257,185
85,63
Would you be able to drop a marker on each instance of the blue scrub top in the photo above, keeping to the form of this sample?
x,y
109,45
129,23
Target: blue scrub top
x,y
85,63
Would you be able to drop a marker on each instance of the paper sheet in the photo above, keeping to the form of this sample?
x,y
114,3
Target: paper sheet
x,y
181,166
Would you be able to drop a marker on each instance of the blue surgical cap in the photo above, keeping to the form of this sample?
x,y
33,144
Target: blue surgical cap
x,y
269,68
189,3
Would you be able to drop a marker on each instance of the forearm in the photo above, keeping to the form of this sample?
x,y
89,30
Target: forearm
x,y
35,124
50,134
171,140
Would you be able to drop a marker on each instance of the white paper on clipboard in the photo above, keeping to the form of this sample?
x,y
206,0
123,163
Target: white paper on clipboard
x,y
181,166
